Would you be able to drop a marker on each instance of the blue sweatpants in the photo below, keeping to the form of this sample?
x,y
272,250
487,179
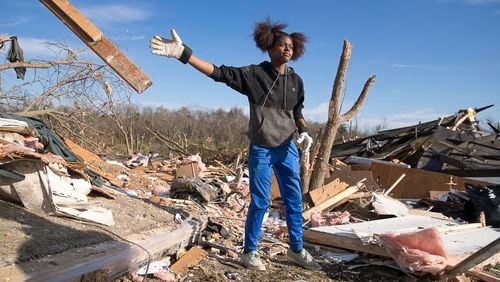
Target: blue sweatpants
x,y
285,161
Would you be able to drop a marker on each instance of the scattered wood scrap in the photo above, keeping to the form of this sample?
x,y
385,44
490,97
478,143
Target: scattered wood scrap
x,y
190,258
331,202
327,191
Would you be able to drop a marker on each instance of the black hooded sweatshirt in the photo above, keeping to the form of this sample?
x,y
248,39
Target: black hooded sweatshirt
x,y
275,100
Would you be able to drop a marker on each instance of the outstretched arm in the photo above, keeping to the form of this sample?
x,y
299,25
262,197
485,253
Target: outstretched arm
x,y
201,65
174,48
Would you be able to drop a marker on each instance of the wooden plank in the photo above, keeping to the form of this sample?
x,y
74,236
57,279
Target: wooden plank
x,y
483,276
103,47
327,191
330,202
73,19
476,258
125,68
191,258
93,162
417,183
348,243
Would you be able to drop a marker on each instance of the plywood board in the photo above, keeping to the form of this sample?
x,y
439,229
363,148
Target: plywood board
x,y
306,215
327,191
457,241
417,183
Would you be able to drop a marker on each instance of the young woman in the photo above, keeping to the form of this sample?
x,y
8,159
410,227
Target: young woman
x,y
275,94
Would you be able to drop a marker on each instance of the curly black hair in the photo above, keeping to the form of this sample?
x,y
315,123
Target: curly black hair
x,y
267,33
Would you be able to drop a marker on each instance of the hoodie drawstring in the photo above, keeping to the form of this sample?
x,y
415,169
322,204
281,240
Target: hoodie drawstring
x,y
286,78
271,88
269,92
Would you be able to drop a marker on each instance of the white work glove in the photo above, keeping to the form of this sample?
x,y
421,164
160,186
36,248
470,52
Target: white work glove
x,y
172,48
304,136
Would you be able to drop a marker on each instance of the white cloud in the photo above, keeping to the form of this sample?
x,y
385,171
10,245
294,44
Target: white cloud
x,y
418,66
13,23
128,37
33,47
481,2
369,121
318,113
39,48
398,120
113,13
472,2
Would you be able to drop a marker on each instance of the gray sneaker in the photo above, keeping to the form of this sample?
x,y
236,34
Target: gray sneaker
x,y
303,259
252,260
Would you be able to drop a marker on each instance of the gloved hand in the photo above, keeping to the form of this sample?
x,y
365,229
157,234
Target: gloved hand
x,y
172,48
304,136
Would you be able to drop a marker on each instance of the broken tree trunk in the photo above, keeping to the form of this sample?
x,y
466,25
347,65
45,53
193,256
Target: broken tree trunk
x,y
307,163
335,120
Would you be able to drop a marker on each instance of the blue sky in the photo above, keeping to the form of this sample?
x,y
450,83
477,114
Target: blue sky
x,y
431,57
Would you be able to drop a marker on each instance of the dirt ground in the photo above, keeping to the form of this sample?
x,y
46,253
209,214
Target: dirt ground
x,y
279,269
217,268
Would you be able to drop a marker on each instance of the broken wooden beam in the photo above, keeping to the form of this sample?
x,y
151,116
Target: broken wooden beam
x,y
101,45
483,276
306,215
72,18
476,258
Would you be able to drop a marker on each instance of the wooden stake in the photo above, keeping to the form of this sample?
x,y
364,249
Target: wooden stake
x,y
394,184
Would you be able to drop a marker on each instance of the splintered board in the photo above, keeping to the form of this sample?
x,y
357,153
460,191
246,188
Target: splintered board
x,y
102,46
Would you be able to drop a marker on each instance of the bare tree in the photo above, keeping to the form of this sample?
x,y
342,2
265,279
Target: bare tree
x,y
335,119
88,103
69,92
381,126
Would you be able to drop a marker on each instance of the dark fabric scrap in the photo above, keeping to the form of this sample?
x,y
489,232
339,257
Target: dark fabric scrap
x,y
16,55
